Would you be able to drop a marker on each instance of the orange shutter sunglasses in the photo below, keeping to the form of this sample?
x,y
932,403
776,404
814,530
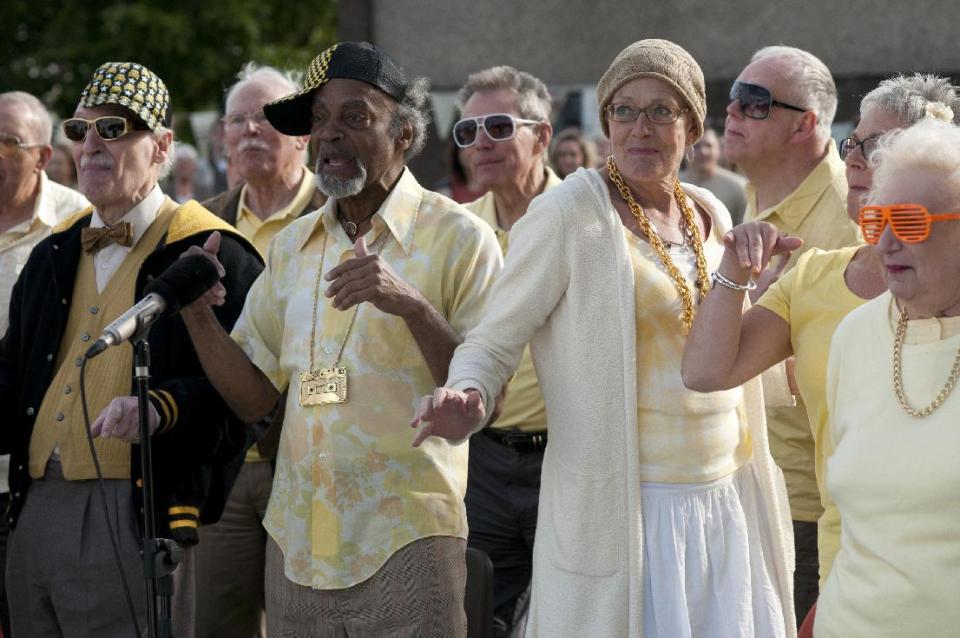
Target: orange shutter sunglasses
x,y
910,222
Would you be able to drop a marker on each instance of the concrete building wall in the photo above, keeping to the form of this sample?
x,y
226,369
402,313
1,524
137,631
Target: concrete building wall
x,y
570,43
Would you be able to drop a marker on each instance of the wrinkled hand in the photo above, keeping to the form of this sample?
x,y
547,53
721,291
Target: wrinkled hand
x,y
120,420
447,413
751,245
217,295
368,277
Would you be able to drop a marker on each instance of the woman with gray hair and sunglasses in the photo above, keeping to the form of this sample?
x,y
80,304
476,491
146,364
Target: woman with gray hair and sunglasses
x,y
661,510
799,313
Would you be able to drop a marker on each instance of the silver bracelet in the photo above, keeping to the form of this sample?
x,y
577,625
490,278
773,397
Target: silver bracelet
x,y
732,285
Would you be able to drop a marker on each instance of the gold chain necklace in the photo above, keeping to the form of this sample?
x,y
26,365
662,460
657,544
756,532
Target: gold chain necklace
x,y
898,374
690,230
320,386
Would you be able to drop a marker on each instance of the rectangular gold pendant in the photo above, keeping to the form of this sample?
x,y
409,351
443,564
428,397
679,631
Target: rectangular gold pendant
x,y
323,386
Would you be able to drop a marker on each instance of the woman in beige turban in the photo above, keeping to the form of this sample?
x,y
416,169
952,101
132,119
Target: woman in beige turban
x,y
661,511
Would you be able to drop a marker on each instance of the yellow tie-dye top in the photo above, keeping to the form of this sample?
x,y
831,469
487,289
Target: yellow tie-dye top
x,y
685,436
349,489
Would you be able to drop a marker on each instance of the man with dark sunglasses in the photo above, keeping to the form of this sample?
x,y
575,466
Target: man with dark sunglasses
x,y
778,133
505,133
63,572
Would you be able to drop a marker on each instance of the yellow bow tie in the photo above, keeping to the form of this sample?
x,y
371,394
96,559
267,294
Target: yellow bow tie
x,y
94,239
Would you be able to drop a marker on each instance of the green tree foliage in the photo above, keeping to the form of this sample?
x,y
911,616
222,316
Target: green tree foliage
x,y
50,48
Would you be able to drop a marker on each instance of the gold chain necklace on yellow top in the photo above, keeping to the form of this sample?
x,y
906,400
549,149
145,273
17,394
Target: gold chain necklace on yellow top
x,y
898,374
690,230
320,386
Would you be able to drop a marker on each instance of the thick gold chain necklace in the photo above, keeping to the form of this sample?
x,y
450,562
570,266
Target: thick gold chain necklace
x,y
690,230
898,374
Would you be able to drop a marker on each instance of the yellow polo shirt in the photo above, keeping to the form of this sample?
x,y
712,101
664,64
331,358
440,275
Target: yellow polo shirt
x,y
349,488
815,211
813,298
523,408
261,231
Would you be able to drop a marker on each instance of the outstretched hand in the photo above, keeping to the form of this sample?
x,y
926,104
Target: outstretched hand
x,y
753,244
447,413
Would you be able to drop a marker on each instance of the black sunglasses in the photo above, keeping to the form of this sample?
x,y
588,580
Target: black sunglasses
x,y
755,101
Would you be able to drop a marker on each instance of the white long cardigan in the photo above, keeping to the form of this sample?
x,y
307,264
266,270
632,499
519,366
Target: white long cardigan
x,y
567,287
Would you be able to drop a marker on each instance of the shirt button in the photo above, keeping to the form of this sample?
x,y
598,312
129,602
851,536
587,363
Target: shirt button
x,y
85,337
20,468
64,301
56,246
79,361
50,357
60,416
328,349
67,390
29,411
16,495
94,310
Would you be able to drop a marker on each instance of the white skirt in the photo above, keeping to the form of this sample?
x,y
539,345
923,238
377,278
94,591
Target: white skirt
x,y
705,572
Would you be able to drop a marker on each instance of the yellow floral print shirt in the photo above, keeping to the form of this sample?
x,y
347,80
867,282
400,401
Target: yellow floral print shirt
x,y
349,488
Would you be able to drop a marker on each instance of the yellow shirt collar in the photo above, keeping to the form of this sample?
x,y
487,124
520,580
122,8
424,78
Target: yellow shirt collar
x,y
297,204
398,213
798,204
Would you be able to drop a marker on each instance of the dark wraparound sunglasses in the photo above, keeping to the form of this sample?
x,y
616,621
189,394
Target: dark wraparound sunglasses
x,y
499,127
755,101
109,127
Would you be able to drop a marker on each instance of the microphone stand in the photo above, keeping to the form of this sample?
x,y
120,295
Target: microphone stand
x,y
160,555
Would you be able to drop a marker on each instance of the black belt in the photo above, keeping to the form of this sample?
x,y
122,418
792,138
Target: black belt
x,y
517,439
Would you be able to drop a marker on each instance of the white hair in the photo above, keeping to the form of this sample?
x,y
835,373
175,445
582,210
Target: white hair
x,y
907,97
33,109
812,79
251,72
930,145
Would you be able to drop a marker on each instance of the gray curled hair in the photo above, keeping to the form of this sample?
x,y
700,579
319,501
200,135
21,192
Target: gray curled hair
x,y
413,111
908,96
812,80
533,98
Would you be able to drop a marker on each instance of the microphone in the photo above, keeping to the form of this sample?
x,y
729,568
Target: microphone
x,y
181,284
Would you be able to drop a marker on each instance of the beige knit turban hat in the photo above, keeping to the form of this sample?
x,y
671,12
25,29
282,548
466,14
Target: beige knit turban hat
x,y
661,59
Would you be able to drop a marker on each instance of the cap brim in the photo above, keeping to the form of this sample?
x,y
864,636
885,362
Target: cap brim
x,y
291,115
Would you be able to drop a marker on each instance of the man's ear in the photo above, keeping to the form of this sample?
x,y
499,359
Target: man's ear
x,y
404,139
544,136
164,146
805,127
46,152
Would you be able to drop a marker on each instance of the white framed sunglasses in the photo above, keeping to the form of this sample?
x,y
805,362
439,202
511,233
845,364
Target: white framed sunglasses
x,y
499,127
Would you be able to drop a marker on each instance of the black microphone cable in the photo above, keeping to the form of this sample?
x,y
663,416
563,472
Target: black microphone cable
x,y
106,510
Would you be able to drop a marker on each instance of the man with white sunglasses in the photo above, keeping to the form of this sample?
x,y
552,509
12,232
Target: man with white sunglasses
x,y
505,133
778,133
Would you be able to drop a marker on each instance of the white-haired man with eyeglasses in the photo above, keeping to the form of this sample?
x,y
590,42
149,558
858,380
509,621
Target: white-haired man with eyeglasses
x,y
30,205
276,188
778,133
504,135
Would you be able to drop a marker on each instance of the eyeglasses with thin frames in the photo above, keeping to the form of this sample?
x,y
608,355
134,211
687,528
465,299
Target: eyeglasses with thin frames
x,y
656,113
9,144
237,121
867,146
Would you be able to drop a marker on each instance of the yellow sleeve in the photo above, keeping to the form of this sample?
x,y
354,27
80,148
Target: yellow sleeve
x,y
777,297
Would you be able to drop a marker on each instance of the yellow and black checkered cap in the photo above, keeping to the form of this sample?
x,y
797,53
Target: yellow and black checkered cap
x,y
347,60
132,86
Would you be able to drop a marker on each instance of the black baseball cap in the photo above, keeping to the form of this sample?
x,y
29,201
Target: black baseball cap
x,y
291,114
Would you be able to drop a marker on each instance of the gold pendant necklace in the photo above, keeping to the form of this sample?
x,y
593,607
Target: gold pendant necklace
x,y
690,231
322,386
898,374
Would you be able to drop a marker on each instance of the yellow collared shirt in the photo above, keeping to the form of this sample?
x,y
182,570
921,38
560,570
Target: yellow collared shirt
x,y
349,488
816,211
523,407
261,231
